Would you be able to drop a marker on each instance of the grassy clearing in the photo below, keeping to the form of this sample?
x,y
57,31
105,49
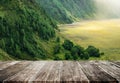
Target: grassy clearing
x,y
4,56
104,34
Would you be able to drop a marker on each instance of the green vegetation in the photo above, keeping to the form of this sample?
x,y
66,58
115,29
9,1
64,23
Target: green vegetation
x,y
28,29
75,52
92,51
4,56
57,49
23,20
103,34
68,45
67,11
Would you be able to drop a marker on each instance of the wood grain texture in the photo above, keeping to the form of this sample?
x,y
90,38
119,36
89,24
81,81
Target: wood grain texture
x,y
6,64
71,72
117,63
28,74
44,72
110,68
55,73
59,72
95,73
12,70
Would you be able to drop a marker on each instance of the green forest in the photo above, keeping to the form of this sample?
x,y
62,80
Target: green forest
x,y
29,29
68,11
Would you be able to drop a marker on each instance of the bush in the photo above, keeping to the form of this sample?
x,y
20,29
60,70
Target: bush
x,y
57,49
93,52
75,57
58,57
68,44
68,56
58,39
74,50
77,51
86,56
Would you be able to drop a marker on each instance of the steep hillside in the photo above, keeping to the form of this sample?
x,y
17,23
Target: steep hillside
x,y
23,28
67,11
28,30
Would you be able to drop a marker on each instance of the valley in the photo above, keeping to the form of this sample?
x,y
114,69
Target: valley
x,y
29,30
104,34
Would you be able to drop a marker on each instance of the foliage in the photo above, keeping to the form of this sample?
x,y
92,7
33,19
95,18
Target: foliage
x,y
86,55
57,49
68,56
66,11
4,56
68,44
93,52
22,21
75,52
58,39
24,26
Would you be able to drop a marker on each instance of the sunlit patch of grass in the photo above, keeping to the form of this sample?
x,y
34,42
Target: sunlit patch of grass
x,y
4,56
104,34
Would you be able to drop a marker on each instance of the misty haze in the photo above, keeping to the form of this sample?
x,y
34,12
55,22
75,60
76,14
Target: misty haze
x,y
107,8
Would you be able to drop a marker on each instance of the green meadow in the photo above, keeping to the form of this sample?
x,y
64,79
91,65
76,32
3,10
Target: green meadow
x,y
104,34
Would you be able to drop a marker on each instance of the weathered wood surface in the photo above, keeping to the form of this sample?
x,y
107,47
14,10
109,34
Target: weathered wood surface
x,y
59,71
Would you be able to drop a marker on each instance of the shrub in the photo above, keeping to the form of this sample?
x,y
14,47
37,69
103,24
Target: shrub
x,y
58,39
86,56
77,51
57,49
75,57
93,52
68,56
68,44
57,57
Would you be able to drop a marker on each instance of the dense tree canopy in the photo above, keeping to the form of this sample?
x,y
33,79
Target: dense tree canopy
x,y
20,22
68,44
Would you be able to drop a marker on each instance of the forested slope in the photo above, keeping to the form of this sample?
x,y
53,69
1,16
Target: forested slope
x,y
23,28
67,11
28,30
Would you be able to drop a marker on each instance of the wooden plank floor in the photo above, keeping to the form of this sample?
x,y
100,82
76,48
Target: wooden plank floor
x,y
59,72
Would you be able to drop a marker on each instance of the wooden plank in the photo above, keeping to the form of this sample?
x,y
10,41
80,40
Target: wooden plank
x,y
117,63
71,72
6,64
95,73
12,70
1,62
28,74
110,68
66,72
54,75
77,74
59,71
44,72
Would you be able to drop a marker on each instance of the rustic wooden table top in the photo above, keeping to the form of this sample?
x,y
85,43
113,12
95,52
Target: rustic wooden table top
x,y
59,71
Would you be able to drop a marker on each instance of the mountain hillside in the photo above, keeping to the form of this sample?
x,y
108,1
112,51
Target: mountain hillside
x,y
24,27
28,29
67,11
